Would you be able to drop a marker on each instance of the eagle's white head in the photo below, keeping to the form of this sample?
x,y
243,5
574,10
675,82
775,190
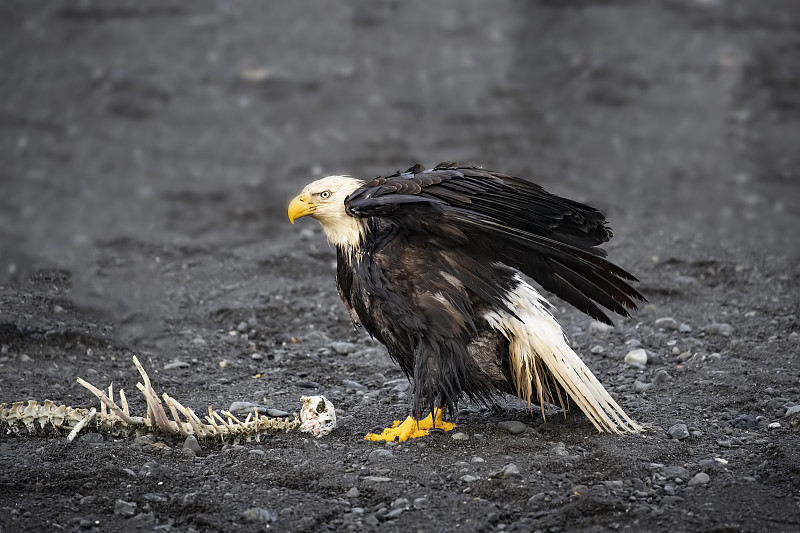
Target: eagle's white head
x,y
324,200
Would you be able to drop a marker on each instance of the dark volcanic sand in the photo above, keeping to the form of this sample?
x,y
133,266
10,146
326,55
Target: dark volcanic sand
x,y
149,149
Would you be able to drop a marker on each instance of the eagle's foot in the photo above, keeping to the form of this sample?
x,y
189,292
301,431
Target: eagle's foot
x,y
412,428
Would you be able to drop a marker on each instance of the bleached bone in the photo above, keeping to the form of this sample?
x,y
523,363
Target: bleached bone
x,y
79,426
317,417
106,401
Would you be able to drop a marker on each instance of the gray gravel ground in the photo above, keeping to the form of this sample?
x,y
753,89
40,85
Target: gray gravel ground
x,y
149,149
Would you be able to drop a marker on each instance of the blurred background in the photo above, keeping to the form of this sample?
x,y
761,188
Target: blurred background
x,y
149,148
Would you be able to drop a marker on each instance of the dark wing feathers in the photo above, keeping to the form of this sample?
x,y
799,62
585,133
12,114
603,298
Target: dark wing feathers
x,y
517,202
579,277
552,239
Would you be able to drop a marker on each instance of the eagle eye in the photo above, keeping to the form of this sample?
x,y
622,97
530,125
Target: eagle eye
x,y
325,195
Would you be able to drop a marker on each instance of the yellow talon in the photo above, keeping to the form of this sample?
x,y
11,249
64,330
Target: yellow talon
x,y
411,428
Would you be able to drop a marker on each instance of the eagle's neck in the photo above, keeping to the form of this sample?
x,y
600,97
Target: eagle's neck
x,y
345,232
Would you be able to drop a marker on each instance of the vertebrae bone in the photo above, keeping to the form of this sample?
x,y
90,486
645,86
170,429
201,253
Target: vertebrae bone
x,y
317,417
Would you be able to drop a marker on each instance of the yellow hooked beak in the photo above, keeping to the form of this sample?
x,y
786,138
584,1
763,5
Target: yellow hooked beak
x,y
299,207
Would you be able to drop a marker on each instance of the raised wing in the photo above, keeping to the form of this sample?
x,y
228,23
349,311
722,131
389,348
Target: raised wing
x,y
509,220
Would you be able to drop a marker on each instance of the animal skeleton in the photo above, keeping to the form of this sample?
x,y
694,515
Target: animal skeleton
x,y
317,416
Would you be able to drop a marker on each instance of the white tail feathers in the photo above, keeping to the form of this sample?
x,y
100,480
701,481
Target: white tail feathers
x,y
539,353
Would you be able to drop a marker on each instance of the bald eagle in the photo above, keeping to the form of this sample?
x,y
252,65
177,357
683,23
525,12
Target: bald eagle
x,y
431,262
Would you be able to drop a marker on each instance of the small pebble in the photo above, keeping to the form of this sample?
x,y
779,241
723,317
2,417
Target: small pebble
x,y
678,431
477,459
597,349
123,508
534,500
258,515
354,385
401,503
144,440
391,515
599,328
513,426
685,328
460,436
726,330
343,348
662,376
380,454
701,478
745,422
176,364
666,323
579,490
708,464
398,385
774,425
638,356
88,500
352,493
639,386
150,468
243,407
469,478
508,471
191,444
675,471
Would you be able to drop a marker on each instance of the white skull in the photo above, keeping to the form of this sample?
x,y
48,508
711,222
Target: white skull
x,y
318,415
